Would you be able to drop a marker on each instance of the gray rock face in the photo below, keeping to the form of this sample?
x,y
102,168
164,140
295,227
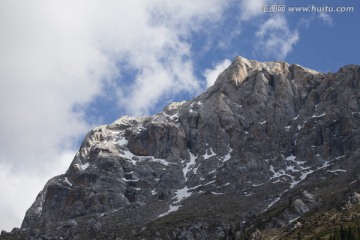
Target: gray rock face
x,y
260,133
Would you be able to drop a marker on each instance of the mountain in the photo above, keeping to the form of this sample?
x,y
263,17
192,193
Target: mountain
x,y
270,151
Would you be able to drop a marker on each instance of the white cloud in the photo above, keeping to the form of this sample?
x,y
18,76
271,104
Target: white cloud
x,y
305,21
251,8
212,74
326,18
59,54
157,81
48,64
19,190
186,15
161,52
275,38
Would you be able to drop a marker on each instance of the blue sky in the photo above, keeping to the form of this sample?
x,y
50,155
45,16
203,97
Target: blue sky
x,y
326,41
67,66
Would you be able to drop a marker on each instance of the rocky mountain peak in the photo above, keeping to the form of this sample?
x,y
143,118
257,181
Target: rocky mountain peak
x,y
267,138
241,68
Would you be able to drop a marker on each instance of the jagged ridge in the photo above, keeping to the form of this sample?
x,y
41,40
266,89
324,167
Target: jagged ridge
x,y
259,135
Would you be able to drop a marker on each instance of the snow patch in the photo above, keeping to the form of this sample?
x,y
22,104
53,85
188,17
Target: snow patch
x,y
208,183
171,209
354,181
123,142
140,128
318,116
293,220
130,180
68,182
247,194
82,167
337,158
207,156
225,185
162,161
39,210
213,171
297,172
173,117
190,164
130,156
272,203
200,104
216,193
278,174
184,192
227,156
290,158
257,185
337,170
181,194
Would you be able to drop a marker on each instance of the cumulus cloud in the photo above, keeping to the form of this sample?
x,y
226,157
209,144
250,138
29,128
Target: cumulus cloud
x,y
48,65
250,9
212,74
275,38
19,189
163,54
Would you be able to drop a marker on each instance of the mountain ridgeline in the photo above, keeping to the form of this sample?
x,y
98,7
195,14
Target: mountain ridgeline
x,y
270,151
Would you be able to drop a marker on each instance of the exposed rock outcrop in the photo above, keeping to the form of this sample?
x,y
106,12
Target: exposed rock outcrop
x,y
264,135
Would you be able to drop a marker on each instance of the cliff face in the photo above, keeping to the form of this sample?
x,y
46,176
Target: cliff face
x,y
267,139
